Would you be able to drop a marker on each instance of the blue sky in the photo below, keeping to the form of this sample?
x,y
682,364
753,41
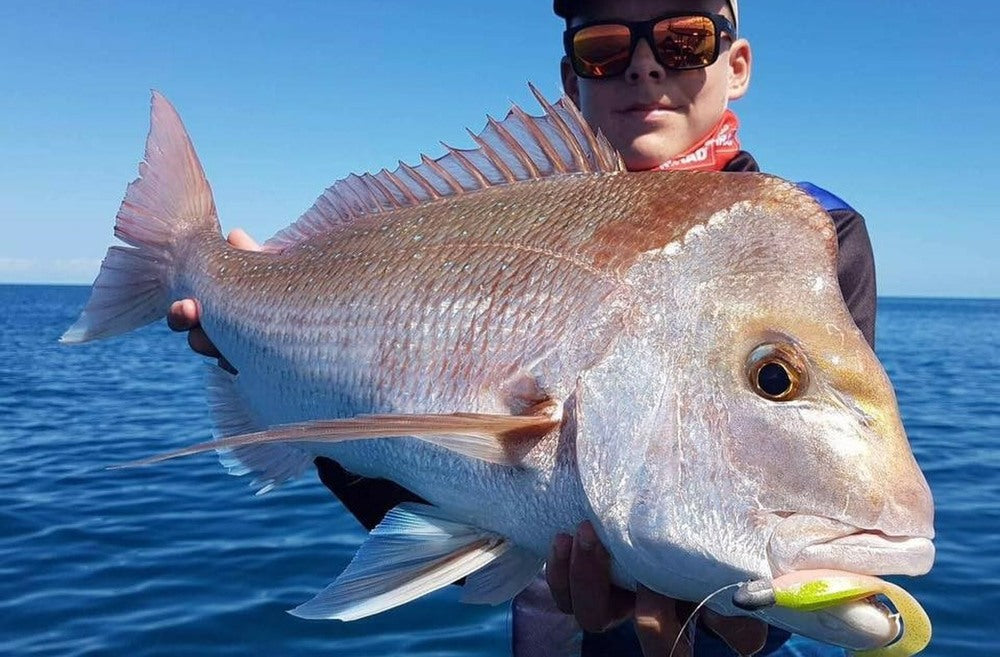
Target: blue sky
x,y
893,110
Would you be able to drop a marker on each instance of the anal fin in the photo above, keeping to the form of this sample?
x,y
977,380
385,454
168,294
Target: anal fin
x,y
415,550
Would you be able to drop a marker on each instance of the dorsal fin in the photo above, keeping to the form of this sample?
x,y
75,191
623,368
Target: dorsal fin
x,y
521,147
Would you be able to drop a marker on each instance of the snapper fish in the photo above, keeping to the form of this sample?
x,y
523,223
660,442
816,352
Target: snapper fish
x,y
527,336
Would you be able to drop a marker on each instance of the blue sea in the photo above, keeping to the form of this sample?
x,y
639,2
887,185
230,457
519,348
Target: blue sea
x,y
181,559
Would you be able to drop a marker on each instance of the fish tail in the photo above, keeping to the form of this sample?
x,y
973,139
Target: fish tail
x,y
169,204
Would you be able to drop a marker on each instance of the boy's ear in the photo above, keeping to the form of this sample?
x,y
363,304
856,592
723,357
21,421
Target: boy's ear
x,y
571,83
740,61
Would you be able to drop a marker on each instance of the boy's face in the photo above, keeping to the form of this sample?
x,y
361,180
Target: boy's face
x,y
650,113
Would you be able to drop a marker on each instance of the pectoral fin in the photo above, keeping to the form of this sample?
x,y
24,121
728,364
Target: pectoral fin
x,y
503,439
415,550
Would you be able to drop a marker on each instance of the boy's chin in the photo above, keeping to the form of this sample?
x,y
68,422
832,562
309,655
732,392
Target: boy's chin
x,y
650,151
642,159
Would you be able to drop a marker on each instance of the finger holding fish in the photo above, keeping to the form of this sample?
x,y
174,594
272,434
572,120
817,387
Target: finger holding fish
x,y
597,604
183,315
659,624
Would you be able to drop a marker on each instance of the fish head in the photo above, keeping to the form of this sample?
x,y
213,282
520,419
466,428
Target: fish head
x,y
741,427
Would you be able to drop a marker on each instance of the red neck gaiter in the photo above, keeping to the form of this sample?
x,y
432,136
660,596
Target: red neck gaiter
x,y
713,152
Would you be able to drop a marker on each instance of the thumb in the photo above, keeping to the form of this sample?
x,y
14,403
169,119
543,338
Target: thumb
x,y
240,239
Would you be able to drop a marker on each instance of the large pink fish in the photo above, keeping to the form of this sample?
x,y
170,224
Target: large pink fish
x,y
527,336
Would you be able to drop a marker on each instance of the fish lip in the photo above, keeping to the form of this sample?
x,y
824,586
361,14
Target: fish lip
x,y
870,553
806,542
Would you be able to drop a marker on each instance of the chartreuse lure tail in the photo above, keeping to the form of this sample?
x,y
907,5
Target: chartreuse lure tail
x,y
810,590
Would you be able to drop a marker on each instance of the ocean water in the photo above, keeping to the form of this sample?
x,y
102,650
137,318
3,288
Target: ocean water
x,y
181,559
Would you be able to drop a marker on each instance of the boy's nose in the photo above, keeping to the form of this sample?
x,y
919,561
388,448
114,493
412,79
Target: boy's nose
x,y
644,64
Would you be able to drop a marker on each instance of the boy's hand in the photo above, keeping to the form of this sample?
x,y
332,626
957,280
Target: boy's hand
x,y
579,575
183,314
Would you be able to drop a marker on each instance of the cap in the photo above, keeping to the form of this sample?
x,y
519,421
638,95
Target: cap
x,y
564,9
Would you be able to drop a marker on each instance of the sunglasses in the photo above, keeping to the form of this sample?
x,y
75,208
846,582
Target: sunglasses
x,y
679,41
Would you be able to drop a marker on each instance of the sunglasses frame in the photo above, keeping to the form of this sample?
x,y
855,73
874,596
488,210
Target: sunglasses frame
x,y
644,30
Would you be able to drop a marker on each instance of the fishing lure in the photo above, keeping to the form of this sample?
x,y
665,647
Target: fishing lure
x,y
810,590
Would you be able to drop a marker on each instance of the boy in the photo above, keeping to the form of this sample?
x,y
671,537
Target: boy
x,y
656,76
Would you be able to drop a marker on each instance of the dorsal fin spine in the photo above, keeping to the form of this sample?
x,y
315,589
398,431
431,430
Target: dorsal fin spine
x,y
353,204
516,149
471,168
373,180
456,187
580,160
420,180
328,202
589,136
366,202
543,142
401,186
493,157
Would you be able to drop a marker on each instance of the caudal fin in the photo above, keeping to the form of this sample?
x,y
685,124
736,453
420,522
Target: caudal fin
x,y
169,199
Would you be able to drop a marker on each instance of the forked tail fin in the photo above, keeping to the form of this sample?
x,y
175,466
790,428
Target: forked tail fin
x,y
170,199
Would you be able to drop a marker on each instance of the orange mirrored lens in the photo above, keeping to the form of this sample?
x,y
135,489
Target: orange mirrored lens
x,y
685,42
603,50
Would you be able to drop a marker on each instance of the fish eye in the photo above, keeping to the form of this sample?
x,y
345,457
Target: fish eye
x,y
776,372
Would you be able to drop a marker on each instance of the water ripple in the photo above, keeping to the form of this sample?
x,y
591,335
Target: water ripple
x,y
180,559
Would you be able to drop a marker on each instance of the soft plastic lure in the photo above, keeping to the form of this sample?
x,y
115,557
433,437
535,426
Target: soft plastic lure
x,y
809,590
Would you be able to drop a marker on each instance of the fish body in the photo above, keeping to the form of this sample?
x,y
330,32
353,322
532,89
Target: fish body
x,y
480,304
527,336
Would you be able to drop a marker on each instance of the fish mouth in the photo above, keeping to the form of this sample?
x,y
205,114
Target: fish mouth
x,y
806,542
